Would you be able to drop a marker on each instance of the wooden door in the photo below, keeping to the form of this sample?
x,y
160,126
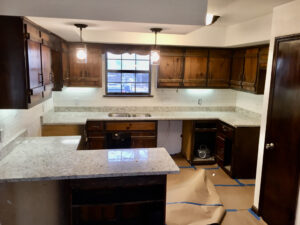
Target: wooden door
x,y
251,69
46,65
237,69
171,67
280,176
219,68
195,68
34,64
77,67
94,67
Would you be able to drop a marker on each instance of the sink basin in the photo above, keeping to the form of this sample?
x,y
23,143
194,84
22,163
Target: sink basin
x,y
119,115
129,115
141,115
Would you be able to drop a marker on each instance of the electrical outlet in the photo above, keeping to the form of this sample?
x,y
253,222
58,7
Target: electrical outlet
x,y
200,101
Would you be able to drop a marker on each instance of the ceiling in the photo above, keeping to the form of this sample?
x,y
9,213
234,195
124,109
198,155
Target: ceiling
x,y
174,16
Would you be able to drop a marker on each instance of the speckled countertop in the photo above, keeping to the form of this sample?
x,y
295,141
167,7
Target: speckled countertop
x,y
56,158
231,116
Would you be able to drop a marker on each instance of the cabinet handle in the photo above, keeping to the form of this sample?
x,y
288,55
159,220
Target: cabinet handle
x,y
270,146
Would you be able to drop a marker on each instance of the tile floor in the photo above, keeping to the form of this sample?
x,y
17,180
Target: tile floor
x,y
236,195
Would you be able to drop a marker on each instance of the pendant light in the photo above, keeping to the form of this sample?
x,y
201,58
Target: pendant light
x,y
155,53
81,53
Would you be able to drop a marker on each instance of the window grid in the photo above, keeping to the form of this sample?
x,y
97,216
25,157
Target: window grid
x,y
135,72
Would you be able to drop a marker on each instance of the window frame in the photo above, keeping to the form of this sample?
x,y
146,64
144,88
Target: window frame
x,y
121,94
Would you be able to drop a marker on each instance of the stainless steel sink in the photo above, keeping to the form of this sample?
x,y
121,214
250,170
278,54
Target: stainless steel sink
x,y
129,115
141,115
119,115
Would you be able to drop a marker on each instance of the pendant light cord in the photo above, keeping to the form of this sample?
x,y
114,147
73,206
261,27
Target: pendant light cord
x,y
81,34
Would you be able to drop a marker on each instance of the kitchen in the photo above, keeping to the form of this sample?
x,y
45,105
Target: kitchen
x,y
78,88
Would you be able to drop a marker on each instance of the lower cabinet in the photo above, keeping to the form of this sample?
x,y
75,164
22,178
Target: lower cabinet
x,y
234,149
120,134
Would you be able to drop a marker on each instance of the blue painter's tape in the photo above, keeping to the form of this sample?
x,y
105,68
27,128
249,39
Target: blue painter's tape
x,y
188,167
227,185
249,184
193,203
240,183
253,214
231,210
214,168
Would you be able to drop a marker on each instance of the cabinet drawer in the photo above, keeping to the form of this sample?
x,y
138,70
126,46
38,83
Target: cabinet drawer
x,y
119,126
94,125
226,130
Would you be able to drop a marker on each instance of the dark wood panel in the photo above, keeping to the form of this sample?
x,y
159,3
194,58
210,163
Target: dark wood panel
x,y
12,64
120,126
280,175
57,70
251,69
195,68
62,130
34,64
237,69
46,65
143,142
219,68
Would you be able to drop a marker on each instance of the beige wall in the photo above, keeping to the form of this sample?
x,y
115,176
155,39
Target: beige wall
x,y
285,21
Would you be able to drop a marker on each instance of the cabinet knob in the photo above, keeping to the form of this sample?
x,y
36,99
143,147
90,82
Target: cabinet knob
x,y
270,146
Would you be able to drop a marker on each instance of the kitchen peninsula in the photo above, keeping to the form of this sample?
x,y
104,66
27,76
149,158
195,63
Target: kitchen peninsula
x,y
106,181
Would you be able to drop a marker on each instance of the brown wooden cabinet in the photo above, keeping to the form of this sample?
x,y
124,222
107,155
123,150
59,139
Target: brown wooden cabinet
x,y
237,68
219,68
251,69
86,72
195,68
140,134
171,67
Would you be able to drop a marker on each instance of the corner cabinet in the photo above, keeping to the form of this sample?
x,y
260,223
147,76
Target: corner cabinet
x,y
26,64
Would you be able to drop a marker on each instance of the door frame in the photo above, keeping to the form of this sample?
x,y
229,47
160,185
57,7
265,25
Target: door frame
x,y
278,40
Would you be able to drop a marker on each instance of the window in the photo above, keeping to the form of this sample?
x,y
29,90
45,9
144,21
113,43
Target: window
x,y
127,74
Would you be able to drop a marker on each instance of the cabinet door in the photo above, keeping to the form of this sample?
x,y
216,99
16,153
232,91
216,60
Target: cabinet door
x,y
65,64
219,68
34,64
96,143
237,68
263,57
32,32
195,68
171,67
94,67
251,69
220,149
46,65
56,69
143,142
77,67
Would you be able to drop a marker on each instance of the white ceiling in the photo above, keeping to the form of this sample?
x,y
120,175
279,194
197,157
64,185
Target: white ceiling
x,y
174,16
237,11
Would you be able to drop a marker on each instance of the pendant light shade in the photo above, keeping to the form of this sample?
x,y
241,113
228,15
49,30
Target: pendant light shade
x,y
155,53
81,53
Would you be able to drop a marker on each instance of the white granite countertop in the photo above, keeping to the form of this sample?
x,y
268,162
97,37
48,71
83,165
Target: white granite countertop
x,y
233,118
56,158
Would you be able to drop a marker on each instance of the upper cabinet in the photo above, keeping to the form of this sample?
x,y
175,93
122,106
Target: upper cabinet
x,y
26,75
195,68
219,68
171,67
248,71
83,72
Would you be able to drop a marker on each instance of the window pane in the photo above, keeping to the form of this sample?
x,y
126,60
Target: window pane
x,y
128,87
143,57
114,77
128,77
113,56
142,77
128,56
113,88
128,64
142,87
142,65
114,64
